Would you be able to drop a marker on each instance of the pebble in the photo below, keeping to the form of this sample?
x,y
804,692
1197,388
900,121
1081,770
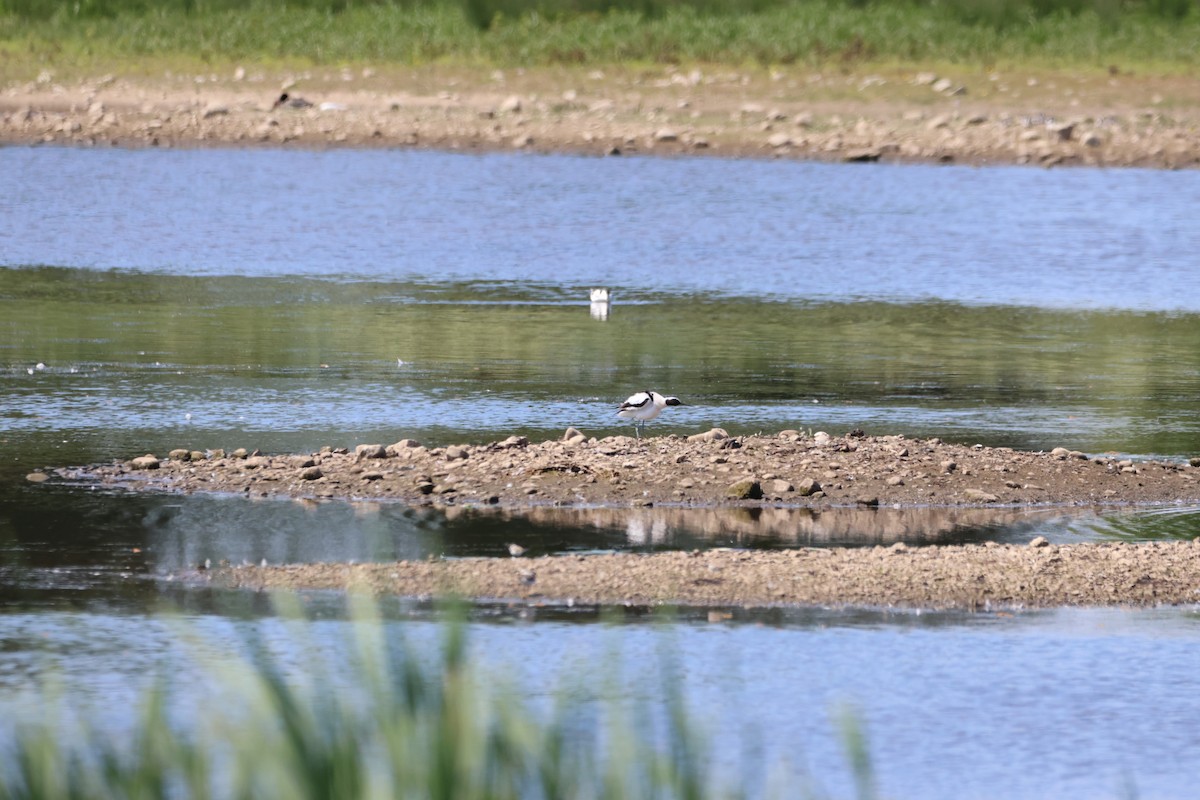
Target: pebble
x,y
365,451
746,489
808,487
147,461
311,473
37,477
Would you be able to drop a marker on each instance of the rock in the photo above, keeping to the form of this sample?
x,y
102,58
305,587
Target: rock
x,y
1195,462
512,442
808,487
980,495
148,461
215,110
511,105
402,446
1060,453
1040,541
949,466
778,140
665,135
456,453
197,455
178,454
257,462
365,451
745,489
925,78
780,486
239,453
942,85
869,502
712,435
311,473
1092,139
895,480
425,487
821,438
37,477
863,155
574,436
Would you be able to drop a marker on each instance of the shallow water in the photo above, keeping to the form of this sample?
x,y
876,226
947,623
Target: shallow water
x,y
289,300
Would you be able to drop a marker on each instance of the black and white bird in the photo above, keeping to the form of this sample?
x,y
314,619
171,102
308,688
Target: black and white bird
x,y
645,406
291,101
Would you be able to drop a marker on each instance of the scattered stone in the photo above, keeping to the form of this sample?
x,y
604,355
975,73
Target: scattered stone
x,y
808,487
1060,453
256,462
980,495
1040,541
37,477
574,436
401,447
239,453
515,550
895,480
949,466
178,454
512,442
942,85
148,461
665,135
456,454
511,105
311,473
821,438
711,435
746,489
779,140
197,455
365,451
863,155
779,486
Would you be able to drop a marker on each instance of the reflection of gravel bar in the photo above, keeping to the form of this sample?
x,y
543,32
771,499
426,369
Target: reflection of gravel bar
x,y
969,577
712,468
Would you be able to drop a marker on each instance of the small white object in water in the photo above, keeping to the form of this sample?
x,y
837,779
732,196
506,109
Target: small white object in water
x,y
40,366
600,299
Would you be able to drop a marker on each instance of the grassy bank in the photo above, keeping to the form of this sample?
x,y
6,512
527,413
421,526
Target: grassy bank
x,y
1149,34
389,723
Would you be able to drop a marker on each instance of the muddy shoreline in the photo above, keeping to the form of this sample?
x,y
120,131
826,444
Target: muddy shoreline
x,y
970,117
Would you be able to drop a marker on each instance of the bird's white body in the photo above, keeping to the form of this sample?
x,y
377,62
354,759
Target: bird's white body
x,y
645,406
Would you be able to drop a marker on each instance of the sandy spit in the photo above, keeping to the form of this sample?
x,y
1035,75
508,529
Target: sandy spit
x,y
971,577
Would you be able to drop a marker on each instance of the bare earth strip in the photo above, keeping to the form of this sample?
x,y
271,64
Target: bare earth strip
x,y
973,577
1096,118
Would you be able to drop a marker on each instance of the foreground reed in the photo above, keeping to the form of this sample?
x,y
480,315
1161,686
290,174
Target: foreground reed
x,y
394,724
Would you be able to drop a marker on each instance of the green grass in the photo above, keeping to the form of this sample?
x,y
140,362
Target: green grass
x,y
410,727
552,32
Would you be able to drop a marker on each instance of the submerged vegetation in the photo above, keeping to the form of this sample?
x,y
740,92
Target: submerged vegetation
x,y
547,32
393,723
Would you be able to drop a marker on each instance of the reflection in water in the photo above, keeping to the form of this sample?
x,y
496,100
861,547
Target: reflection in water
x,y
685,528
